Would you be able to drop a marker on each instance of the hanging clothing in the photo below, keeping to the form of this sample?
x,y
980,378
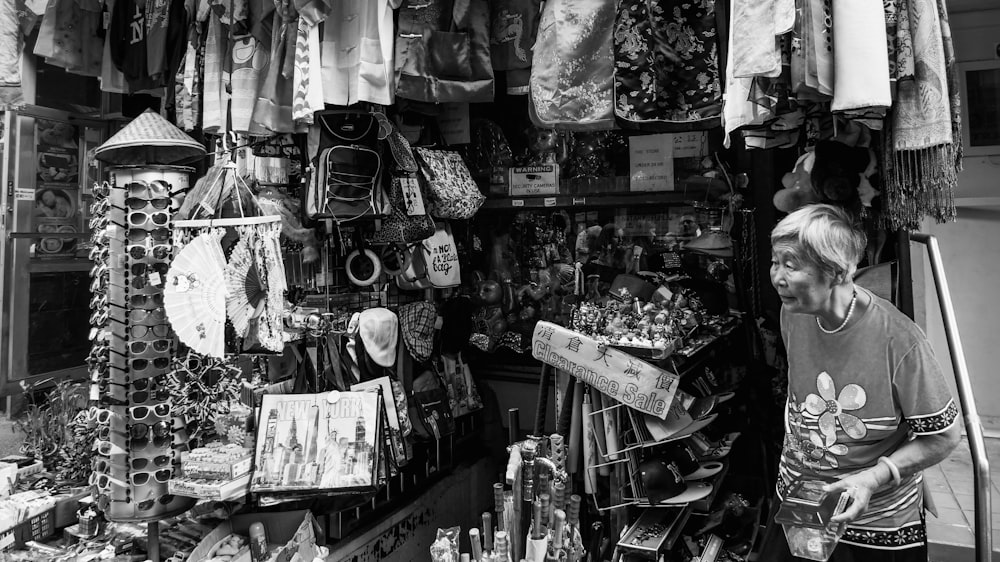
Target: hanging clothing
x,y
922,144
861,72
443,51
144,32
215,98
11,42
512,38
357,52
112,80
308,75
572,71
273,110
69,37
739,110
755,51
667,65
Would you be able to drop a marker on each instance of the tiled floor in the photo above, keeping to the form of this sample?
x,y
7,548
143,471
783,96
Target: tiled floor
x,y
951,534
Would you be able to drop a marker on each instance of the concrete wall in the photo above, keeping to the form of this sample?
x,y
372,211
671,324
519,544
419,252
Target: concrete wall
x,y
970,247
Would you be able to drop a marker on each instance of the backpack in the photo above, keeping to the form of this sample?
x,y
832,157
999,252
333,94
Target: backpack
x,y
348,171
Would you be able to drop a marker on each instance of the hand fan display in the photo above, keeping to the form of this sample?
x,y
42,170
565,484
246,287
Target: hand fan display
x,y
194,296
247,288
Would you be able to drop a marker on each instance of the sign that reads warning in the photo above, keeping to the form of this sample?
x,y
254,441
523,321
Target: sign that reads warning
x,y
629,380
542,179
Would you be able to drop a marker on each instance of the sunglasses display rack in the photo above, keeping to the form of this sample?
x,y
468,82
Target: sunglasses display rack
x,y
139,437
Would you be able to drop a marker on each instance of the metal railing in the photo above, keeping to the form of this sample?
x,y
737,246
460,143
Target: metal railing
x,y
973,427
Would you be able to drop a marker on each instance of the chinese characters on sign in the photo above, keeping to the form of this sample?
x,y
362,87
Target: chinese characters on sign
x,y
635,383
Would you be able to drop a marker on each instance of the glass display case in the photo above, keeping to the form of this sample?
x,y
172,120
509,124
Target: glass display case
x,y
45,282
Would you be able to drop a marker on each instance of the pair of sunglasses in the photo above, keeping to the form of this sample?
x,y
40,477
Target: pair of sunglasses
x,y
141,364
104,502
104,481
107,448
133,397
157,251
102,189
146,269
140,347
141,463
139,413
142,218
141,301
156,235
102,220
156,189
137,204
98,253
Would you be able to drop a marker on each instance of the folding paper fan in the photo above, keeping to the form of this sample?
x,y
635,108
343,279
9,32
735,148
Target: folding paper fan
x,y
247,287
195,295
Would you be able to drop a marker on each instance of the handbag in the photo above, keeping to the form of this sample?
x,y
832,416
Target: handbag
x,y
430,410
462,387
450,189
409,221
414,275
440,256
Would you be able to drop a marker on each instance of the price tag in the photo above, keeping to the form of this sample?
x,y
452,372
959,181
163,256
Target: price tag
x,y
579,200
411,197
690,145
517,203
154,279
549,202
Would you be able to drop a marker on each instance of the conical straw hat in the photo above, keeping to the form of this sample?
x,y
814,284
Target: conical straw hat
x,y
149,139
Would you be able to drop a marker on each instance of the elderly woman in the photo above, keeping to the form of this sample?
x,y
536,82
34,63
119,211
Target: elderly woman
x,y
868,408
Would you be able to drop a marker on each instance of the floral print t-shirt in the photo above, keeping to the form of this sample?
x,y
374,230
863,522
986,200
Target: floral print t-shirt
x,y
855,396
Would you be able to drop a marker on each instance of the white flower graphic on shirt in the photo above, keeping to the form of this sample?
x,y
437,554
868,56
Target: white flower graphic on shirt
x,y
825,448
832,408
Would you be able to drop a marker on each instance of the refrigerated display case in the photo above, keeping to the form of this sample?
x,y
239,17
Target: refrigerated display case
x,y
45,282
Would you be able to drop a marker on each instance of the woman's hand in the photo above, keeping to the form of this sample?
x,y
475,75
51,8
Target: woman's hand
x,y
860,485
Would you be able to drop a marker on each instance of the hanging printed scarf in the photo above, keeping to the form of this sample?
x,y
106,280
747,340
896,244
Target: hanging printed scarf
x,y
301,112
922,151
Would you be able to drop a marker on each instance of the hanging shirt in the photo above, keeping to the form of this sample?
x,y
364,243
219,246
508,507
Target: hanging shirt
x,y
138,36
855,396
357,52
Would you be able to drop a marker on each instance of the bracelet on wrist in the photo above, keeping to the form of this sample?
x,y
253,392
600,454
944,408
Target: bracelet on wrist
x,y
893,470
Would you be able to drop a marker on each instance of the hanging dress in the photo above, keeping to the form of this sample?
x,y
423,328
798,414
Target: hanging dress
x,y
571,74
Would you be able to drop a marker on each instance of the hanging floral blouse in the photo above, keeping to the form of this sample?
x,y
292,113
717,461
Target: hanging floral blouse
x,y
571,74
666,65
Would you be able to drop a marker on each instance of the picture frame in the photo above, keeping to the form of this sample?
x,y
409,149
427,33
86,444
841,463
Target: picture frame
x,y
980,90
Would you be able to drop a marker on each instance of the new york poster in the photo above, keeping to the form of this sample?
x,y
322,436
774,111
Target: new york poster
x,y
328,441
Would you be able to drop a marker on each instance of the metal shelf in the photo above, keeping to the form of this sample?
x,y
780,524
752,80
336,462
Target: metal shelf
x,y
605,192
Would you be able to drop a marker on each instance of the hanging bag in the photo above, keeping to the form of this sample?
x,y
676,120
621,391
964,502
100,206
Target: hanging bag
x,y
345,182
414,275
451,191
440,256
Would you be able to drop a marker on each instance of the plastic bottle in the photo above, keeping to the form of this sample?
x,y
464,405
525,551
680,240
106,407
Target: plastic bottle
x,y
258,542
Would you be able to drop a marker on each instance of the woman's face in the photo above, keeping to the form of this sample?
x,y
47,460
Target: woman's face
x,y
802,287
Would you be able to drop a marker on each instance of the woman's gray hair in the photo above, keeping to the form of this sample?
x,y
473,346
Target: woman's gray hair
x,y
825,235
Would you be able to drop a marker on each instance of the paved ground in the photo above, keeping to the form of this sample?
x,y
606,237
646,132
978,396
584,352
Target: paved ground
x,y
951,482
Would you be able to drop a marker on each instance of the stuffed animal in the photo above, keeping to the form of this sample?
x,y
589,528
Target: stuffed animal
x,y
798,187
